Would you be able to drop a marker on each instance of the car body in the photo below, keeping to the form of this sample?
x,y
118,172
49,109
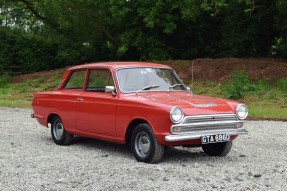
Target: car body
x,y
142,104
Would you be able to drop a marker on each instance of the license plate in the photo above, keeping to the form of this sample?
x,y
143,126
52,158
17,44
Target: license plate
x,y
215,138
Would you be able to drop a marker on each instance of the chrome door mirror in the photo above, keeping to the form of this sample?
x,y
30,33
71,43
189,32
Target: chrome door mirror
x,y
189,89
110,89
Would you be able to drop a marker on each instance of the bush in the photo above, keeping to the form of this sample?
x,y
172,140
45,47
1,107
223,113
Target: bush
x,y
282,85
4,80
36,53
239,85
30,52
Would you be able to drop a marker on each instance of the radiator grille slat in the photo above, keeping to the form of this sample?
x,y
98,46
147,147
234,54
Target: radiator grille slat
x,y
210,119
208,122
208,127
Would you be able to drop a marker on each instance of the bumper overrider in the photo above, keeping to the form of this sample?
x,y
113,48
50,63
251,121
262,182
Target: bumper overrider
x,y
194,127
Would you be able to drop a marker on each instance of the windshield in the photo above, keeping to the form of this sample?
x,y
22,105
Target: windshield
x,y
148,79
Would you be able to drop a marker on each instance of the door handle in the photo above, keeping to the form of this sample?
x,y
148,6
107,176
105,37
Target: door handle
x,y
79,99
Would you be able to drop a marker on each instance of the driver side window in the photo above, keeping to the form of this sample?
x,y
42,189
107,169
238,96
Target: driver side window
x,y
98,79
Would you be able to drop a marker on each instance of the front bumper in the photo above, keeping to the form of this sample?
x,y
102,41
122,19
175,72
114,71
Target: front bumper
x,y
199,134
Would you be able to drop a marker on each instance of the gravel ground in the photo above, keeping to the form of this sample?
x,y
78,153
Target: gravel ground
x,y
29,160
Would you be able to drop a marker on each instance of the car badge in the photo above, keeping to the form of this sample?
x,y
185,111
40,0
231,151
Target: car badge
x,y
205,105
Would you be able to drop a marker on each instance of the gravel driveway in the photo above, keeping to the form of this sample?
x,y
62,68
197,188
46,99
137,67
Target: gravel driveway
x,y
29,160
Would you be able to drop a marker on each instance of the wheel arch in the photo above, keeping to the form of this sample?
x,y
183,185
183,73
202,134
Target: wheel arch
x,y
131,127
51,116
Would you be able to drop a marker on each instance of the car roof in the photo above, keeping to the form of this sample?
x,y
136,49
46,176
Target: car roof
x,y
116,65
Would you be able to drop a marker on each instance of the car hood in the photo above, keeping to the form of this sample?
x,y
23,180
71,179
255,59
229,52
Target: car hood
x,y
191,104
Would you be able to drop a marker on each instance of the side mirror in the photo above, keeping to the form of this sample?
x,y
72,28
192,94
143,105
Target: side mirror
x,y
189,89
110,89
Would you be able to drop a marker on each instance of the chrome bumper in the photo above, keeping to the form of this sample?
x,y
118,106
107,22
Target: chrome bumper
x,y
199,134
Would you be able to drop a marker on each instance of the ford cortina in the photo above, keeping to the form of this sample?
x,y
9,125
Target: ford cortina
x,y
145,105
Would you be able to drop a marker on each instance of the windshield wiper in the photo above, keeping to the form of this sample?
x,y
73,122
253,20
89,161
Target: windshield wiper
x,y
173,86
147,88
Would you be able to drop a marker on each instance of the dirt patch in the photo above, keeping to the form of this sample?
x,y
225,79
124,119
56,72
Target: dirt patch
x,y
220,70
199,70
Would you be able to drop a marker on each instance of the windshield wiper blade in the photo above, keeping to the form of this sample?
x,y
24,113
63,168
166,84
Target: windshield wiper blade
x,y
174,85
147,88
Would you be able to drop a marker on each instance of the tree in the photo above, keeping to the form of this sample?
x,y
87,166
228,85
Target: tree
x,y
88,30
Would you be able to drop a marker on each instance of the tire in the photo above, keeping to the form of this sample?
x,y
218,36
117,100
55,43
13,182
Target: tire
x,y
59,134
217,149
144,145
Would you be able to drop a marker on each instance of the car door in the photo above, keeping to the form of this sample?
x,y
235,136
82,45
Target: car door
x,y
67,98
96,109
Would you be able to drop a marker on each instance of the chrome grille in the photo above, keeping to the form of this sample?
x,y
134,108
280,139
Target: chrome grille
x,y
208,127
207,123
210,118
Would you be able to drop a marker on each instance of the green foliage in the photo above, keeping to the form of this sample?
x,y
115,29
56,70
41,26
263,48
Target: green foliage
x,y
263,99
282,84
4,80
239,85
31,53
265,110
208,88
40,35
21,94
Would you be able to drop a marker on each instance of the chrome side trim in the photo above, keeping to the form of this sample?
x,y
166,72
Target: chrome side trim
x,y
199,134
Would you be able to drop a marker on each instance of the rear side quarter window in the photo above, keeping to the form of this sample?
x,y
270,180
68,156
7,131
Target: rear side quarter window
x,y
76,80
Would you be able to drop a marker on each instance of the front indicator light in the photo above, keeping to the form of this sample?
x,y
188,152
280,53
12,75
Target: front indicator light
x,y
176,129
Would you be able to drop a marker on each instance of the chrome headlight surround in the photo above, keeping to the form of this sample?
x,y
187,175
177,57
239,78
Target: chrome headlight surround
x,y
176,114
241,111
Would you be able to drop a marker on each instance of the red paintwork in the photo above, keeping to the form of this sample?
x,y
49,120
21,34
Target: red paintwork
x,y
107,117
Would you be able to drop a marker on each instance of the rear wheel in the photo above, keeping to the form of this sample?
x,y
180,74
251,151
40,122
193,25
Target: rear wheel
x,y
59,134
145,146
217,149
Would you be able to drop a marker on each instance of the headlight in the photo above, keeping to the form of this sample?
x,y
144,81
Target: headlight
x,y
176,114
241,111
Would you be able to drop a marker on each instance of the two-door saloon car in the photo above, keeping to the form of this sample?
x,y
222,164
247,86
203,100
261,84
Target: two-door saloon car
x,y
145,105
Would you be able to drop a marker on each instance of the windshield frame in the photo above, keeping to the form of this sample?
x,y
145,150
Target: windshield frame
x,y
152,90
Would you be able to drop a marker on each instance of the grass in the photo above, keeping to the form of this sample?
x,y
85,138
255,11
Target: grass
x,y
267,111
264,100
21,94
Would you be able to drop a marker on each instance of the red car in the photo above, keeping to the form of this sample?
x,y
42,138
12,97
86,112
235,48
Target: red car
x,y
145,105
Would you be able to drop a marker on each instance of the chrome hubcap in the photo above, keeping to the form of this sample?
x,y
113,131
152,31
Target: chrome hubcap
x,y
142,144
58,129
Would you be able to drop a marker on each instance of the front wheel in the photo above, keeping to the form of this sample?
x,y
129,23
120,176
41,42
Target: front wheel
x,y
217,149
144,145
59,134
